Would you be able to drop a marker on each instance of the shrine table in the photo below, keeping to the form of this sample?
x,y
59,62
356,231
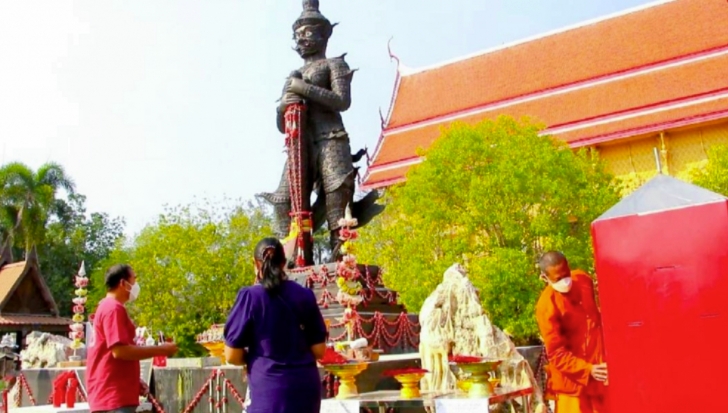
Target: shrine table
x,y
387,399
77,408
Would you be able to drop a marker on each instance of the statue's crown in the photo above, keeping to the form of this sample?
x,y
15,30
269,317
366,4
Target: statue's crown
x,y
310,5
311,15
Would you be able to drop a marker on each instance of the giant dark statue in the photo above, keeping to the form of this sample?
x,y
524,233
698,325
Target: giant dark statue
x,y
324,165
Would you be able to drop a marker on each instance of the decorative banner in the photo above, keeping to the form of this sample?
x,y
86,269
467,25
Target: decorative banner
x,y
77,333
339,406
461,405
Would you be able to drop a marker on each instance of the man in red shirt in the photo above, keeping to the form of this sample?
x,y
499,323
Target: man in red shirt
x,y
112,369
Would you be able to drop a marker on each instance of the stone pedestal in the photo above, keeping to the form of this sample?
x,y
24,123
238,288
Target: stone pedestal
x,y
378,300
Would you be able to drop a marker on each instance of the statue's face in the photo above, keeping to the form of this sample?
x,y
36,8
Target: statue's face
x,y
309,40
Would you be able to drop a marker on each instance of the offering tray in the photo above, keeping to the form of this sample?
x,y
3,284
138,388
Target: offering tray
x,y
212,339
346,373
478,382
216,349
383,400
410,381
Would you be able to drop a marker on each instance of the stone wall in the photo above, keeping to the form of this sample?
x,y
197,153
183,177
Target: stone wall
x,y
175,388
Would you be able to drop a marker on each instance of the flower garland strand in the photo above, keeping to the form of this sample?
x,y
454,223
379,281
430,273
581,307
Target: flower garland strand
x,y
347,270
300,219
79,309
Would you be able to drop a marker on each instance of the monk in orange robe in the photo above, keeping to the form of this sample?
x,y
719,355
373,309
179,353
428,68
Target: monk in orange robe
x,y
570,325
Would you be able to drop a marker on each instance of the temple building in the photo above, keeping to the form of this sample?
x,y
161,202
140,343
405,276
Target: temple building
x,y
26,302
653,77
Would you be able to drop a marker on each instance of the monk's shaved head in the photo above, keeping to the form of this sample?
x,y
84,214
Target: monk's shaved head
x,y
551,259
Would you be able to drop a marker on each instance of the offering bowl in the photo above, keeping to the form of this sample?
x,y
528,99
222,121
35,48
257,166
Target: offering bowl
x,y
347,377
477,381
216,349
410,381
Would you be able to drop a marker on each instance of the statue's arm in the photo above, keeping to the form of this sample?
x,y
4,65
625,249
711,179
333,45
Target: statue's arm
x,y
339,97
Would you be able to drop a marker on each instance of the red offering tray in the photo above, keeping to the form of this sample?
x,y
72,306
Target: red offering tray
x,y
459,359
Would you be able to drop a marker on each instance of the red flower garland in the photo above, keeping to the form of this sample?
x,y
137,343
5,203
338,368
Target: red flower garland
x,y
294,117
347,234
331,357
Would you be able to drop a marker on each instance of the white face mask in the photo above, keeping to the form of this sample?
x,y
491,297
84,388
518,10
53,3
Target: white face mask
x,y
563,285
134,291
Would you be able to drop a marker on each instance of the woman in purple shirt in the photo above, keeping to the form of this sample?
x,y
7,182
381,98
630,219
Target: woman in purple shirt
x,y
275,328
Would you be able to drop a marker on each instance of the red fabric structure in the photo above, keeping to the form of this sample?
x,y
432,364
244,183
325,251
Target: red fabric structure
x,y
662,270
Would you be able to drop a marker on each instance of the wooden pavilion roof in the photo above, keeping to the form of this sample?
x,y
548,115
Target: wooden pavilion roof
x,y
26,275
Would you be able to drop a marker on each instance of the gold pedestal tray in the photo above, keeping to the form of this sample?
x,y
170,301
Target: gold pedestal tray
x,y
347,377
479,383
410,385
464,383
216,349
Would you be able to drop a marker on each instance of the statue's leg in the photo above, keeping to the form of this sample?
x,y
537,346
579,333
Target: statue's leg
x,y
338,178
282,216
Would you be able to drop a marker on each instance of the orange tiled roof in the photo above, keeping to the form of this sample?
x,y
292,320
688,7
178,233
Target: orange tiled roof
x,y
704,112
598,81
389,177
22,319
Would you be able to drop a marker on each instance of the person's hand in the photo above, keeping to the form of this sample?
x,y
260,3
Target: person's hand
x,y
599,372
168,349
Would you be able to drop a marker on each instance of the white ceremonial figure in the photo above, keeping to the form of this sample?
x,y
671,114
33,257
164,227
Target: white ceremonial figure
x,y
453,322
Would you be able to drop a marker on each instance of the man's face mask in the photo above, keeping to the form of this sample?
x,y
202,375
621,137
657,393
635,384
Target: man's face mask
x,y
562,286
134,291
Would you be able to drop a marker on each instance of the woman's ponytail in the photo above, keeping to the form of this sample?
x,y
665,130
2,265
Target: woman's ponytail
x,y
269,252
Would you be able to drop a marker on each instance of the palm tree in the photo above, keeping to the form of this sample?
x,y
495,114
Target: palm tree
x,y
28,198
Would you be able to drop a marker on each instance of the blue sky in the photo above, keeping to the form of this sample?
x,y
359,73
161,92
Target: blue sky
x,y
154,102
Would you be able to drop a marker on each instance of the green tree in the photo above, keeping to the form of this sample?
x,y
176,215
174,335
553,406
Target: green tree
x,y
321,245
121,253
190,265
75,236
714,174
493,197
29,198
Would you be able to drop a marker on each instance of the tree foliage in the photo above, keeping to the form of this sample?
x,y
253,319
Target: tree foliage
x,y
714,174
493,197
29,198
41,208
72,238
190,265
